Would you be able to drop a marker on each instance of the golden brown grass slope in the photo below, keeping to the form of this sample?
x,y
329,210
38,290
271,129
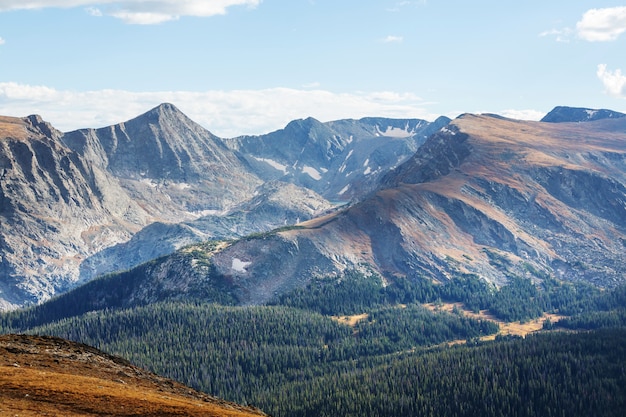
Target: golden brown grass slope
x,y
51,376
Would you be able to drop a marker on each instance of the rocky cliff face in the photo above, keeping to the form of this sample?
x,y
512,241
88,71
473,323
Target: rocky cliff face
x,y
55,209
341,160
483,195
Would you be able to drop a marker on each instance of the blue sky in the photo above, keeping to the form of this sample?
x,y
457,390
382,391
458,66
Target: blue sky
x,y
251,66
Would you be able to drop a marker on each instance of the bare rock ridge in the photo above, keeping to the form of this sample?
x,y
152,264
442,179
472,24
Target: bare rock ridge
x,y
178,169
66,197
53,211
50,376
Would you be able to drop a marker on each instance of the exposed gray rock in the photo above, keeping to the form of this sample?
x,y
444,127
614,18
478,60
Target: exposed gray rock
x,y
341,160
52,211
272,206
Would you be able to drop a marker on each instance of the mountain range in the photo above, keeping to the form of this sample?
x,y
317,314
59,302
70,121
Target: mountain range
x,y
484,196
76,205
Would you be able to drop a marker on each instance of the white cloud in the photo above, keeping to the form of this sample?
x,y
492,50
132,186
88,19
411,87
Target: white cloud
x,y
2,41
136,11
600,25
393,39
225,113
614,81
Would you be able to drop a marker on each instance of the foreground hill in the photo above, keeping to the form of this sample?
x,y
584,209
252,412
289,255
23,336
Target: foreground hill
x,y
51,376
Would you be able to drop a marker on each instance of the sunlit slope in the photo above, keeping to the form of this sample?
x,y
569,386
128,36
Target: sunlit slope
x,y
51,376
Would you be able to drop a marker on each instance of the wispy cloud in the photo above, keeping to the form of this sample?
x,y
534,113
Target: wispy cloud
x,y
393,39
94,11
601,25
136,11
614,81
2,41
561,35
225,113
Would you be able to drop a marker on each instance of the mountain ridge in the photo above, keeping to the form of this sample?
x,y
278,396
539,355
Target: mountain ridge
x,y
564,114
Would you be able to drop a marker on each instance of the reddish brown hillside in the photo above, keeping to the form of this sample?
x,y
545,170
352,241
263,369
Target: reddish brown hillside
x,y
51,376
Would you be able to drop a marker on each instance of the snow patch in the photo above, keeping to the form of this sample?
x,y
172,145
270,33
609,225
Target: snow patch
x,y
182,186
366,163
343,190
277,166
395,132
312,172
147,181
446,130
239,265
343,166
367,171
590,113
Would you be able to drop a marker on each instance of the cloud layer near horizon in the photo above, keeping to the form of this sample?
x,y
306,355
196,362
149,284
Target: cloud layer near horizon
x,y
225,113
135,11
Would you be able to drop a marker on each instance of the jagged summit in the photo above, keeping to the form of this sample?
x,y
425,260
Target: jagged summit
x,y
162,114
563,114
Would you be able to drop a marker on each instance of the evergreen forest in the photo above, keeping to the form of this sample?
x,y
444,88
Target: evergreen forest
x,y
350,346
